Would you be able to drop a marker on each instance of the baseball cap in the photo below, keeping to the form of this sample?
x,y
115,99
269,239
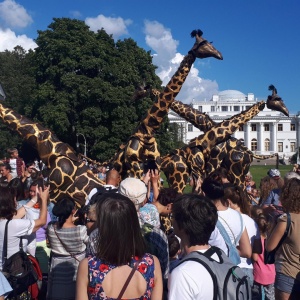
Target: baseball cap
x,y
133,188
274,173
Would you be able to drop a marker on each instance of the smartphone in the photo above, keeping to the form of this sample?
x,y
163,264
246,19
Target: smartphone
x,y
41,184
150,164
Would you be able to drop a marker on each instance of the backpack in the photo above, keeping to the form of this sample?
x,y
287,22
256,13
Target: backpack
x,y
230,282
233,253
36,287
18,268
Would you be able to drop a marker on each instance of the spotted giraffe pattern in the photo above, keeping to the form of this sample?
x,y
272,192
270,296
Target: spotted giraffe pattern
x,y
235,157
142,144
231,154
191,158
68,175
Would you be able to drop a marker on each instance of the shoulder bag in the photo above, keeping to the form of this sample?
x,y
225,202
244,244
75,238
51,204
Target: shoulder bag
x,y
18,269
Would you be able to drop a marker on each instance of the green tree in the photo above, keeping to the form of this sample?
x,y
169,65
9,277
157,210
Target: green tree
x,y
17,80
85,82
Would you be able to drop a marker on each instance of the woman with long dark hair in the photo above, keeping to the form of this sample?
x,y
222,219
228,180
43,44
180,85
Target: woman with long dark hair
x,y
18,227
287,265
120,253
68,243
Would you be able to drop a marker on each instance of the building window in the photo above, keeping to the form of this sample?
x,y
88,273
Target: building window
x,y
280,127
224,108
280,146
200,108
212,108
236,108
267,127
293,146
190,127
253,127
293,127
253,145
241,128
267,145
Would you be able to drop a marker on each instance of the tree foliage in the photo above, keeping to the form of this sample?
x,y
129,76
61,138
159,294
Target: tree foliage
x,y
80,81
17,80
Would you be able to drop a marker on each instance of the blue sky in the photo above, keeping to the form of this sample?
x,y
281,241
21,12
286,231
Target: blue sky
x,y
259,39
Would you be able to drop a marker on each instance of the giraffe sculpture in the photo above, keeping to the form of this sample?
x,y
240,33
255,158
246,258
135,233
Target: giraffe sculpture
x,y
142,144
231,154
68,175
190,159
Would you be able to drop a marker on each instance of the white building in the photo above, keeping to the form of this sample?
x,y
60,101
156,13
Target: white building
x,y
267,133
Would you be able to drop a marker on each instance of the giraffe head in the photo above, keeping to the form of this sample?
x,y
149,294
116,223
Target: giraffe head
x,y
202,48
275,102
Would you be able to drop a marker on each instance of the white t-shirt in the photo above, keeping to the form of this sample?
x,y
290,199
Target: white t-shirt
x,y
232,223
254,234
13,165
217,240
190,280
16,229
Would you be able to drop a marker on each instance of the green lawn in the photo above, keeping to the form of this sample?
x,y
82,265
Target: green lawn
x,y
257,172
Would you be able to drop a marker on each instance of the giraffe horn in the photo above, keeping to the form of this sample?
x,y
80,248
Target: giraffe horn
x,y
273,89
196,32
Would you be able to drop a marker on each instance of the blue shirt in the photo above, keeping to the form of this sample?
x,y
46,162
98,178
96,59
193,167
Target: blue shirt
x,y
273,198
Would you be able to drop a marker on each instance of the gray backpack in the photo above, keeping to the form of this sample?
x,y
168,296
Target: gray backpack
x,y
230,282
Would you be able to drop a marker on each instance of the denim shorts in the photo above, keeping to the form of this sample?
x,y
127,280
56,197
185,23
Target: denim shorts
x,y
286,283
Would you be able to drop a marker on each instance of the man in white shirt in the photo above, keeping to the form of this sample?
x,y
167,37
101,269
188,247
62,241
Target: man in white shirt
x,y
194,220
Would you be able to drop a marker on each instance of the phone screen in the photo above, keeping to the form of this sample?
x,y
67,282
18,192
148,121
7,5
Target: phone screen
x,y
150,165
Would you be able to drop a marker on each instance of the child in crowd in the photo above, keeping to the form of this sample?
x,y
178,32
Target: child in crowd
x,y
16,163
174,251
264,275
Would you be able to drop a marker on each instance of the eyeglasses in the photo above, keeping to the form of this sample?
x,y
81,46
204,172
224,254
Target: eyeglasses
x,y
87,220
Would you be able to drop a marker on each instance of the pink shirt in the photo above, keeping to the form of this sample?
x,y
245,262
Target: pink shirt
x,y
263,274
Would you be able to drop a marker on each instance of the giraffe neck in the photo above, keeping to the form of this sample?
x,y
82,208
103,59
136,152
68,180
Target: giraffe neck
x,y
199,120
162,103
40,138
223,130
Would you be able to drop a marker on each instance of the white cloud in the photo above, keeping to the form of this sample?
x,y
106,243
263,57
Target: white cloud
x,y
14,15
9,40
167,59
114,26
75,13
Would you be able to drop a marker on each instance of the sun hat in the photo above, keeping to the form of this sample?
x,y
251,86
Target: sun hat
x,y
133,188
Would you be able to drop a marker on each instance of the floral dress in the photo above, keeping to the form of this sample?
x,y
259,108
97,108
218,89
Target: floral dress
x,y
98,270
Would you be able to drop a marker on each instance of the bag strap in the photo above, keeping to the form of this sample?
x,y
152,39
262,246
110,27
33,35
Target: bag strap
x,y
287,229
128,280
5,241
286,232
196,256
72,255
224,234
240,234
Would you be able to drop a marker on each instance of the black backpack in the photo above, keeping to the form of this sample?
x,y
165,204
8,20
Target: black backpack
x,y
230,282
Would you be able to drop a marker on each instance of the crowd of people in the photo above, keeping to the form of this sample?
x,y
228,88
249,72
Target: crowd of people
x,y
132,238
